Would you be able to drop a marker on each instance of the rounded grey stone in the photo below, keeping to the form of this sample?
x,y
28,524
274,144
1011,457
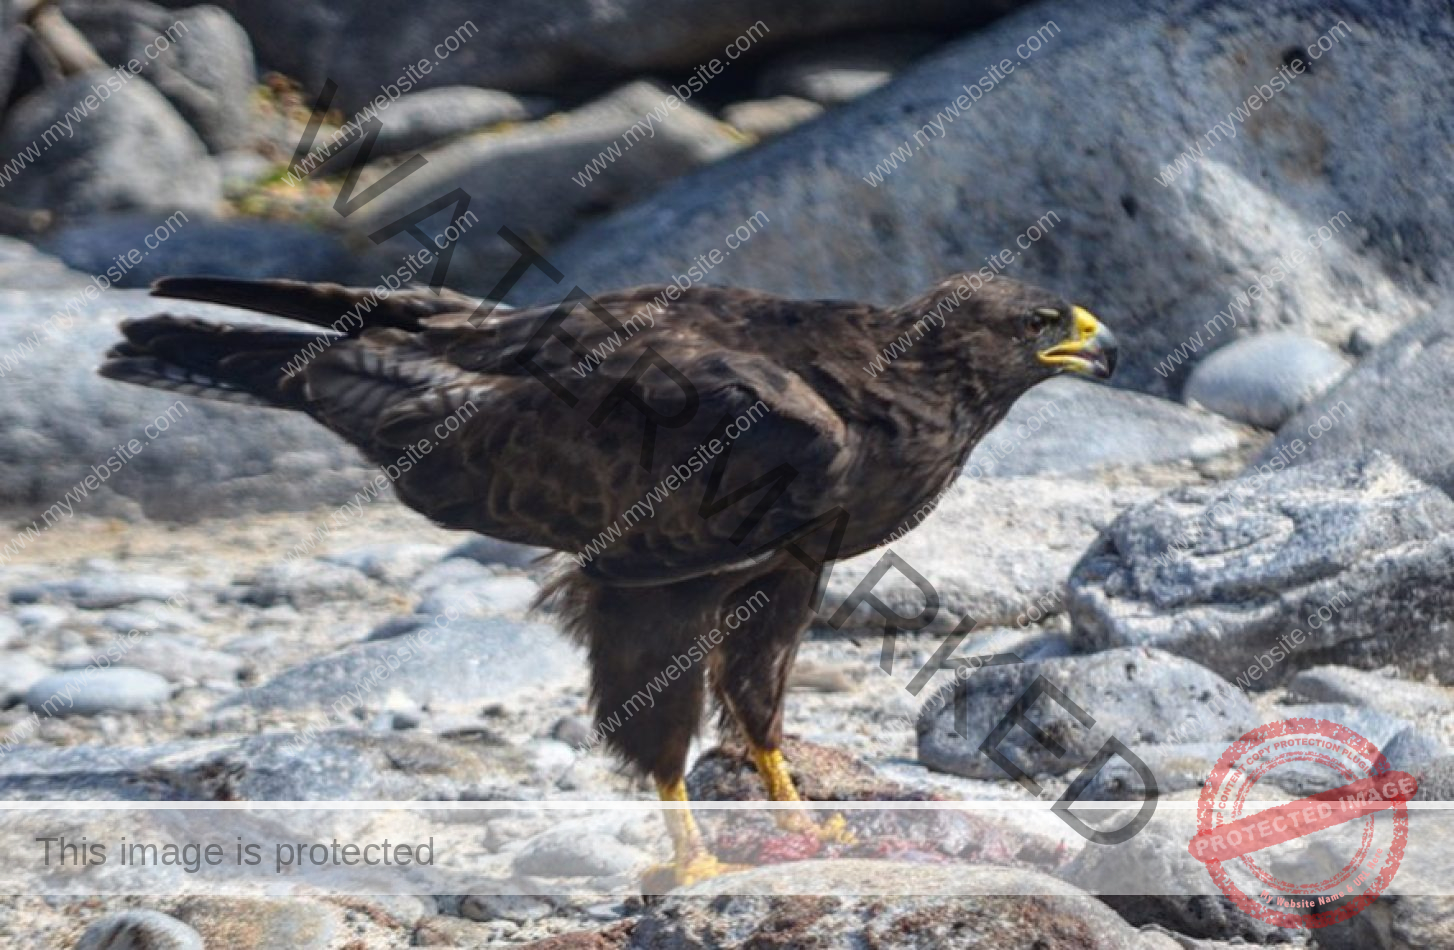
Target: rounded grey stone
x,y
1264,379
10,631
573,852
139,930
497,595
101,591
96,691
18,672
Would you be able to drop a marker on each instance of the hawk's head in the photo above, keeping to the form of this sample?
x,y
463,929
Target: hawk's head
x,y
1013,333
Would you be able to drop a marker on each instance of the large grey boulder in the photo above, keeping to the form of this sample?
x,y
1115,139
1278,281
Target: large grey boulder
x,y
518,45
129,150
1073,132
1396,401
60,421
1336,562
1141,697
198,57
425,118
539,178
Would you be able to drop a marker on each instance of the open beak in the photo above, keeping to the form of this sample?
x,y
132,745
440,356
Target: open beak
x,y
1090,351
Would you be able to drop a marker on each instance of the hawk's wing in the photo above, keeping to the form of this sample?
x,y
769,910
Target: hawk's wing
x,y
613,465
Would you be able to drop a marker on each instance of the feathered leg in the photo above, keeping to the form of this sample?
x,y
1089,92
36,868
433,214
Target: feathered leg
x,y
771,614
648,690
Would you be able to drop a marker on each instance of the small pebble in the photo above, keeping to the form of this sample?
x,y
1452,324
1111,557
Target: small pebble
x,y
95,691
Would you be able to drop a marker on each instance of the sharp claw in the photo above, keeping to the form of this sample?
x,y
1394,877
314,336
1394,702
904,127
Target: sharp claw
x,y
832,831
660,878
835,830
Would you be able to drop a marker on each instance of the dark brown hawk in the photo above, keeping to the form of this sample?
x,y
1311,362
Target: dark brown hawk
x,y
798,431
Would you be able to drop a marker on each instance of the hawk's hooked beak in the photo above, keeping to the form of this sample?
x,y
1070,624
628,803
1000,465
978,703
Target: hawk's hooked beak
x,y
1090,351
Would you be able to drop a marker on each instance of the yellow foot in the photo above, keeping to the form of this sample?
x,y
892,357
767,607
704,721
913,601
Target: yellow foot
x,y
660,878
834,830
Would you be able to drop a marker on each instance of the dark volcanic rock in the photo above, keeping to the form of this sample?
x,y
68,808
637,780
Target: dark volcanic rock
x,y
1139,696
364,45
1339,562
200,60
132,152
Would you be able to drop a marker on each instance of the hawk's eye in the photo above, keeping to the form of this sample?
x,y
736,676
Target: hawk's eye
x,y
1039,320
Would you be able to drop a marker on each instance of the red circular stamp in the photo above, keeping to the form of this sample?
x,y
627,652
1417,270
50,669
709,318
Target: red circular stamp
x,y
1242,850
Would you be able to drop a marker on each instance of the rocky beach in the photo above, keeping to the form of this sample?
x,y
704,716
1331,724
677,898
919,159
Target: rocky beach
x,y
1253,524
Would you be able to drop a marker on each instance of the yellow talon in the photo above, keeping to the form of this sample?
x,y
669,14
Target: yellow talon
x,y
835,831
691,861
660,878
774,771
780,788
